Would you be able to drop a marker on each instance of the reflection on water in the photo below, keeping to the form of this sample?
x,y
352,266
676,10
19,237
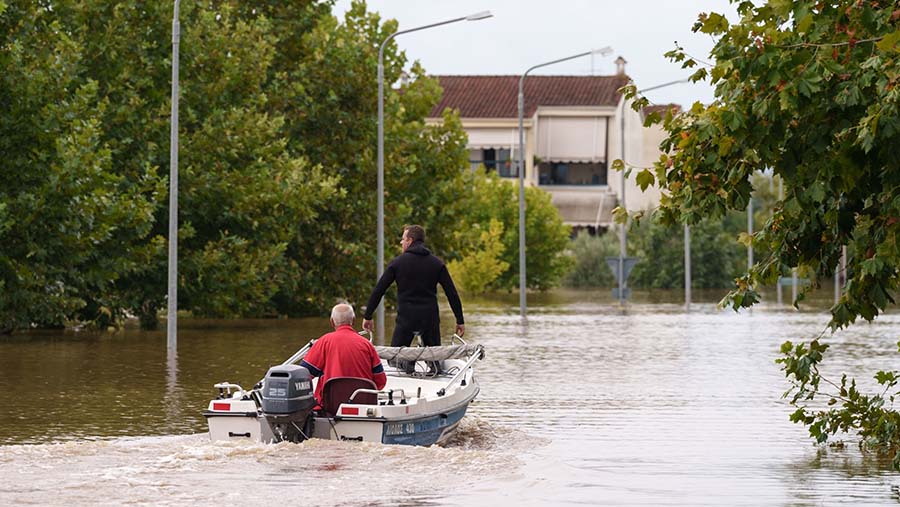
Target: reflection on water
x,y
585,402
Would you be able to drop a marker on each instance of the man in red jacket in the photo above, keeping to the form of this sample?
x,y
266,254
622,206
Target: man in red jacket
x,y
343,353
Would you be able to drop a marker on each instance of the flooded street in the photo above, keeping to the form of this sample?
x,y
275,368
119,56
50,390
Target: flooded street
x,y
585,403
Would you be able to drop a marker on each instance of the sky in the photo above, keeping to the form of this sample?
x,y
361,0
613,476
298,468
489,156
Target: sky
x,y
523,33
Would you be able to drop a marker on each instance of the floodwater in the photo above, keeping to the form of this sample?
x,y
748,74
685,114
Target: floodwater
x,y
585,403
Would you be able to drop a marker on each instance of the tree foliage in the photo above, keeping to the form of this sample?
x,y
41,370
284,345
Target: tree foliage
x,y
716,256
70,223
488,198
846,408
588,254
809,90
481,263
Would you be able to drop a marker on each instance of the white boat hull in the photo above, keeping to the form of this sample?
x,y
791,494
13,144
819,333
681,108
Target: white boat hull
x,y
421,410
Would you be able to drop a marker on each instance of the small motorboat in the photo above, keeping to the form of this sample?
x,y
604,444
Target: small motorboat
x,y
427,393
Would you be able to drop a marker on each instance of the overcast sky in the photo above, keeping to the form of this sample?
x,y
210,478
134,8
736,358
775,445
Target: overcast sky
x,y
523,33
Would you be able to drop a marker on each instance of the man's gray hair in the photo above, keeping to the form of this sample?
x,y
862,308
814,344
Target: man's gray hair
x,y
342,314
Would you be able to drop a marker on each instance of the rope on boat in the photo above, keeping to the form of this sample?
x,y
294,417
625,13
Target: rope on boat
x,y
428,353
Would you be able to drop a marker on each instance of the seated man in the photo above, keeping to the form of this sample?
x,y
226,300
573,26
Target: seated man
x,y
343,353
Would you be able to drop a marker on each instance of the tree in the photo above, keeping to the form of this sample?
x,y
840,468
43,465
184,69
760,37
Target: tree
x,y
487,198
717,258
481,263
808,89
70,225
588,254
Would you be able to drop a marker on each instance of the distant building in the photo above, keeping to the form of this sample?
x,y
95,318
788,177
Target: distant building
x,y
572,135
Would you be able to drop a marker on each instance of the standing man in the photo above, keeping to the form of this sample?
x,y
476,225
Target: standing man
x,y
417,274
343,353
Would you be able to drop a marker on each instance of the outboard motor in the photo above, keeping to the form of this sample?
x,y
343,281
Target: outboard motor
x,y
287,401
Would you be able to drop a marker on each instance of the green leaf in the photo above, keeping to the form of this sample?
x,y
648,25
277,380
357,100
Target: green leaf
x,y
804,23
889,42
645,179
714,23
781,7
816,192
886,377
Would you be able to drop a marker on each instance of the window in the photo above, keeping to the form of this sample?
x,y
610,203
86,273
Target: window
x,y
572,173
499,160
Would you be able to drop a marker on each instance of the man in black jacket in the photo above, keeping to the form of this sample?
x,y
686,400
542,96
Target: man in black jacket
x,y
417,273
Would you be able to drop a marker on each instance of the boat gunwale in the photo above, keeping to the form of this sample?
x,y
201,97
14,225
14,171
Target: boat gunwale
x,y
405,417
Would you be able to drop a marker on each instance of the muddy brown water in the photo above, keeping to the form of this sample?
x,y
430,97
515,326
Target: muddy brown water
x,y
583,403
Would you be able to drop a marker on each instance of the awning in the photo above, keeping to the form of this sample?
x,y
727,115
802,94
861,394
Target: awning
x,y
583,206
492,138
572,139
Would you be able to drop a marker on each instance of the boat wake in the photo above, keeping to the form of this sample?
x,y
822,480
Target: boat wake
x,y
478,433
174,470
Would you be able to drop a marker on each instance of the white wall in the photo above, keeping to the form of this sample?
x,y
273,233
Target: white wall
x,y
653,135
634,158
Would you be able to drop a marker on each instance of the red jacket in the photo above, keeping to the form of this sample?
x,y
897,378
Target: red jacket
x,y
343,353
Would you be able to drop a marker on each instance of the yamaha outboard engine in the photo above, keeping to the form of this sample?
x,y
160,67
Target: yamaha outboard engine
x,y
287,402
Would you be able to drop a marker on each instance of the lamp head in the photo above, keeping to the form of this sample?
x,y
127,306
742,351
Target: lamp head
x,y
479,15
604,51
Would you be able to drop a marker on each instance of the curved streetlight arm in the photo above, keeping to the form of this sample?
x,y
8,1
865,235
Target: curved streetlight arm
x,y
471,17
579,55
416,29
670,83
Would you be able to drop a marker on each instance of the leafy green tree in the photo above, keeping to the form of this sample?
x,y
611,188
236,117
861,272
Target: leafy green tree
x,y
71,225
488,198
716,256
807,89
588,254
244,194
481,264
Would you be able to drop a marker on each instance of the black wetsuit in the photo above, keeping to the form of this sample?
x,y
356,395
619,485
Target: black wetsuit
x,y
417,273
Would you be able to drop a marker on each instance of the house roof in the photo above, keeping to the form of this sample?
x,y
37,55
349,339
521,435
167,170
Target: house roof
x,y
496,96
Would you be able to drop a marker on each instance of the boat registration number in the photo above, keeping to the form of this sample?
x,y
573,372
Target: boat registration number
x,y
400,428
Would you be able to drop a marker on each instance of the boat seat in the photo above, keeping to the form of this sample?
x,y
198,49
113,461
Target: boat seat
x,y
339,389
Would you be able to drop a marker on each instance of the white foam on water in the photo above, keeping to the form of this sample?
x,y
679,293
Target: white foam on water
x,y
173,470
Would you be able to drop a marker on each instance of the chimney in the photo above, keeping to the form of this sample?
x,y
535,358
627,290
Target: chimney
x,y
620,66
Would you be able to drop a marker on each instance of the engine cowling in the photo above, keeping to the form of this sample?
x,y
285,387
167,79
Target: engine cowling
x,y
287,401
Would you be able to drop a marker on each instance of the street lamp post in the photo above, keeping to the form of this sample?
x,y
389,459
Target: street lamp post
x,y
521,166
687,267
623,232
687,228
380,232
172,315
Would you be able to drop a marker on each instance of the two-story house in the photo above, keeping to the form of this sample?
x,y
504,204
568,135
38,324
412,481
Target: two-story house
x,y
573,129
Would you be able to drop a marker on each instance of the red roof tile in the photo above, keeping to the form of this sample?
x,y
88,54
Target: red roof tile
x,y
495,96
